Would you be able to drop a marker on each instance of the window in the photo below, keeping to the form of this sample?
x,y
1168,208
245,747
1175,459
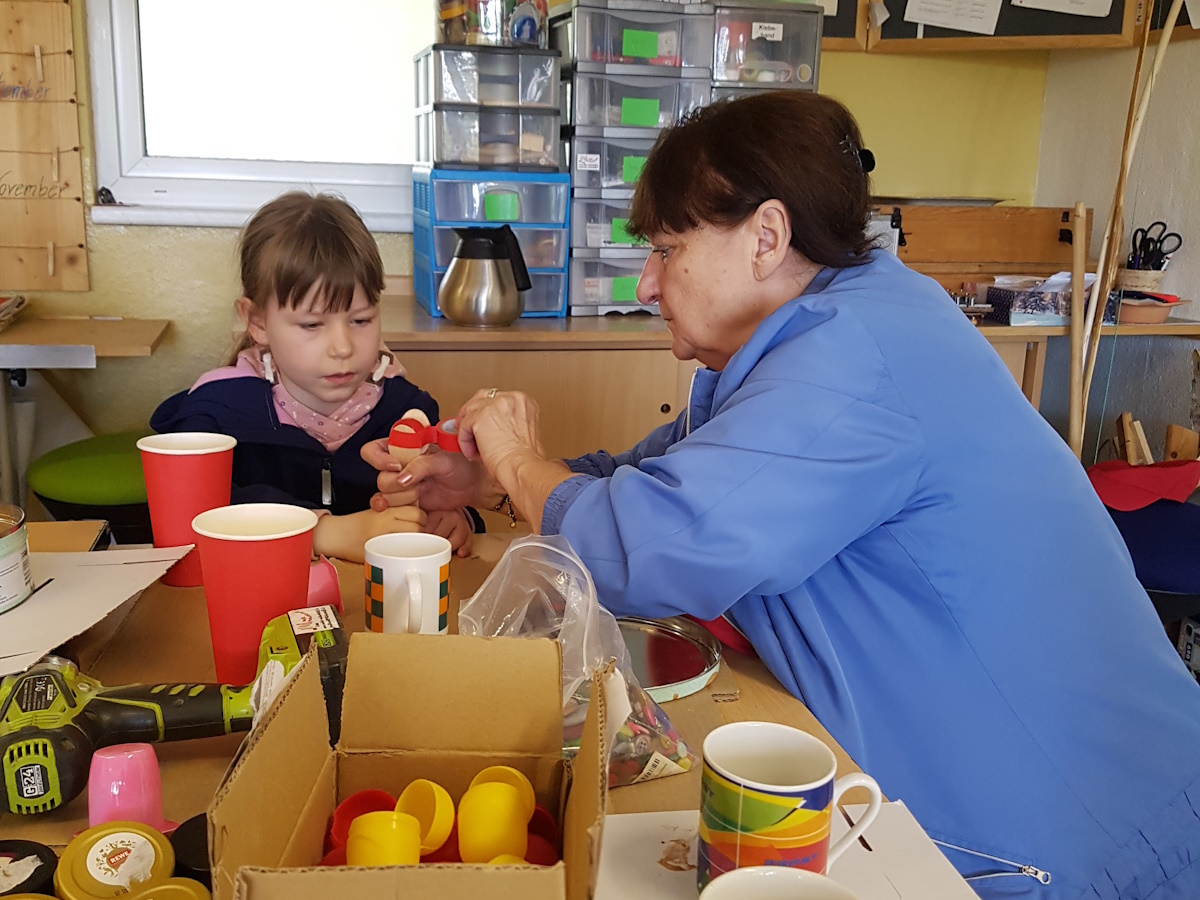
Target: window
x,y
203,112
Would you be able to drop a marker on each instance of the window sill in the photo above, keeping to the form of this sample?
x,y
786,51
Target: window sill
x,y
119,214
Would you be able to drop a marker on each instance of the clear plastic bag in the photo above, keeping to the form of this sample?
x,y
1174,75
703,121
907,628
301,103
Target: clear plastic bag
x,y
540,588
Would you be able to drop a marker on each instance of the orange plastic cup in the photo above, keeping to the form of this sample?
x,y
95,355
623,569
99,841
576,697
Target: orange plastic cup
x,y
186,473
255,558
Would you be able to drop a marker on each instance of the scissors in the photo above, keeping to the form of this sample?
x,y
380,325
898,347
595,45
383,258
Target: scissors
x,y
1152,245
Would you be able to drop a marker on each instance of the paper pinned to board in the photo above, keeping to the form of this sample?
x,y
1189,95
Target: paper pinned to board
x,y
1096,8
74,591
1193,13
652,856
975,16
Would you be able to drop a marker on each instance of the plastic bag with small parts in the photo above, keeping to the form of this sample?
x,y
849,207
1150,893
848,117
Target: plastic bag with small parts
x,y
540,588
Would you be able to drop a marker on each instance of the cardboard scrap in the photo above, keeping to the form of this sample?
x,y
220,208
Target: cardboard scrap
x,y
72,592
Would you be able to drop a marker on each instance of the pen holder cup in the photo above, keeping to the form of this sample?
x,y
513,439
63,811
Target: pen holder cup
x,y
1139,279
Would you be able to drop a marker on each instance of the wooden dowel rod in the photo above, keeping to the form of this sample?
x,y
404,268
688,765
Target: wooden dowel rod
x,y
1077,414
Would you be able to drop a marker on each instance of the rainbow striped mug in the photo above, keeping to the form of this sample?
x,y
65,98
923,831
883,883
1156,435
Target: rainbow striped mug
x,y
767,799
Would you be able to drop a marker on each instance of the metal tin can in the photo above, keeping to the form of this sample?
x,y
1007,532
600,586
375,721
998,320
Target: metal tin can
x,y
16,578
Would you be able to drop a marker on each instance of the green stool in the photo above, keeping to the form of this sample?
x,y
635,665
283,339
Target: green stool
x,y
97,478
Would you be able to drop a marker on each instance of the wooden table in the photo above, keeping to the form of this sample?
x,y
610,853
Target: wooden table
x,y
64,342
164,637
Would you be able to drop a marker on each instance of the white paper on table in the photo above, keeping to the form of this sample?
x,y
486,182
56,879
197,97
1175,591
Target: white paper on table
x,y
976,16
902,864
1097,8
74,591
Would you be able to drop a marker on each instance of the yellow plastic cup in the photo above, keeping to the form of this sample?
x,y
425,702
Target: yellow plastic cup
x,y
491,822
507,859
384,839
428,803
515,777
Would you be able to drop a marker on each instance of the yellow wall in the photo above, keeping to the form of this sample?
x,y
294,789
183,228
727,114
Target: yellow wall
x,y
951,125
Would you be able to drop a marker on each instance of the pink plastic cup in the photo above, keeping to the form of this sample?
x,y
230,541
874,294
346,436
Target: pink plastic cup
x,y
124,785
255,558
186,473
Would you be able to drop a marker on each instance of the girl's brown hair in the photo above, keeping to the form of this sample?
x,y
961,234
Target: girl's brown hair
x,y
718,165
299,240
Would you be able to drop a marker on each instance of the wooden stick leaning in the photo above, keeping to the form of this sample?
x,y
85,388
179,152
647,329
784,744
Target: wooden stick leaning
x,y
1107,269
1076,414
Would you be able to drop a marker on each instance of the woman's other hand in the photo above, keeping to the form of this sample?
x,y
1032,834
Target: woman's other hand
x,y
499,428
437,480
454,525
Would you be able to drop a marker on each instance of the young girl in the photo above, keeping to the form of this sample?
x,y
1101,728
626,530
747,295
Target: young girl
x,y
310,381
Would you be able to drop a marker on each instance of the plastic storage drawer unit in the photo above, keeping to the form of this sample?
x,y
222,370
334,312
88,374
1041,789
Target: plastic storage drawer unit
x,y
525,198
773,44
487,76
488,137
597,37
607,284
635,101
607,163
601,224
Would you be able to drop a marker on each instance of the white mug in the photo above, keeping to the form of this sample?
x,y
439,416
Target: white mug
x,y
407,583
774,883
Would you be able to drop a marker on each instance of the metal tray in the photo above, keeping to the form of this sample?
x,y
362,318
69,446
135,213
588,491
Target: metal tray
x,y
672,658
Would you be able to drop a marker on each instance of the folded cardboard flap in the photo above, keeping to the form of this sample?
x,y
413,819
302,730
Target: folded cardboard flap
x,y
273,778
420,883
588,799
407,709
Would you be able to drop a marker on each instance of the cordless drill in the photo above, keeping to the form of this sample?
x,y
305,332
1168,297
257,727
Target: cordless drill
x,y
53,718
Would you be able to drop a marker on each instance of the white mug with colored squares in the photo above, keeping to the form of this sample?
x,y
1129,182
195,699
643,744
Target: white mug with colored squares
x,y
407,583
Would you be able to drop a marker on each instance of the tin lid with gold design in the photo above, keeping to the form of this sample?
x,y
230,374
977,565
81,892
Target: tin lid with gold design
x,y
113,859
173,889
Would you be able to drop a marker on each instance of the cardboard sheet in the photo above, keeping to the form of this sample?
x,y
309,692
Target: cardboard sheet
x,y
653,855
72,592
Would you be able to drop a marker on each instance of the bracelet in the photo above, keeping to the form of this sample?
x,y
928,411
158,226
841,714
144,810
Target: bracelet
x,y
512,513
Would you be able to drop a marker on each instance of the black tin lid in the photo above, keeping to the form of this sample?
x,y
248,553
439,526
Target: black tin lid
x,y
41,879
190,841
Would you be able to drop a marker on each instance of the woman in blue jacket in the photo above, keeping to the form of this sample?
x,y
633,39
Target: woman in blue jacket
x,y
860,488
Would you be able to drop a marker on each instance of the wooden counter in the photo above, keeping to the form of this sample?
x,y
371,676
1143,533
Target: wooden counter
x,y
110,336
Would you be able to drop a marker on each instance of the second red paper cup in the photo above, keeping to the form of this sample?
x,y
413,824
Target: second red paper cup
x,y
187,473
255,558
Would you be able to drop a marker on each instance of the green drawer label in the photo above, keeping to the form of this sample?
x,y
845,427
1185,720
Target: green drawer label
x,y
624,289
631,168
620,233
503,206
639,111
635,42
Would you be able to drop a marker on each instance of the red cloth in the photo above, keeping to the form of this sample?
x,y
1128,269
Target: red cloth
x,y
1125,487
724,632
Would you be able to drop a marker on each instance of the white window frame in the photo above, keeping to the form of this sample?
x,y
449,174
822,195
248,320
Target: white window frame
x,y
152,190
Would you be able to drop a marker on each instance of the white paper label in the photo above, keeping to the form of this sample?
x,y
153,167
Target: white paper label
x,y
16,871
16,578
658,767
310,621
597,232
593,289
767,31
668,43
587,162
121,859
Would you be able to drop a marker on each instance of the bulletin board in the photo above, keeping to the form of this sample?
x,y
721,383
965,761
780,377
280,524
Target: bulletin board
x,y
1018,27
1183,25
42,225
847,30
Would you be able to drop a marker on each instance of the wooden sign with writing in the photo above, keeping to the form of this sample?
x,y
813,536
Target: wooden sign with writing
x,y
42,229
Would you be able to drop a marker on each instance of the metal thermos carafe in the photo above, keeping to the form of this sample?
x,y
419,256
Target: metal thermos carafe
x,y
483,283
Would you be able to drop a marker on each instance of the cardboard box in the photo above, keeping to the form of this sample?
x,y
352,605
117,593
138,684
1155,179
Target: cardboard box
x,y
415,706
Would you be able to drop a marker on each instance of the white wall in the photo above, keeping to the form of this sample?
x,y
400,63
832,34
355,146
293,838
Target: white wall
x,y
1087,97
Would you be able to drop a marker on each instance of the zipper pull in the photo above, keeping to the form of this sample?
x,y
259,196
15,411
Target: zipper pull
x,y
1043,877
327,483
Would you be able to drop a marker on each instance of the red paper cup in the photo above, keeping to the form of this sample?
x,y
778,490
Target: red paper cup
x,y
186,473
255,558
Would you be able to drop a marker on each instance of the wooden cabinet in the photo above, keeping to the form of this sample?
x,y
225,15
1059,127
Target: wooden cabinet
x,y
589,399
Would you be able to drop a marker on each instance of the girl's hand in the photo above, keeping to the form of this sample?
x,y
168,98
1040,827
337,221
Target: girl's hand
x,y
344,536
455,526
436,479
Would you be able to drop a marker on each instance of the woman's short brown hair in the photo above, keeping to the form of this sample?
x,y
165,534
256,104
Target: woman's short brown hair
x,y
299,240
719,164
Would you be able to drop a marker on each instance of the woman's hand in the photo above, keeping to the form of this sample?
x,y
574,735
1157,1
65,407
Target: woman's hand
x,y
500,428
436,479
455,526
